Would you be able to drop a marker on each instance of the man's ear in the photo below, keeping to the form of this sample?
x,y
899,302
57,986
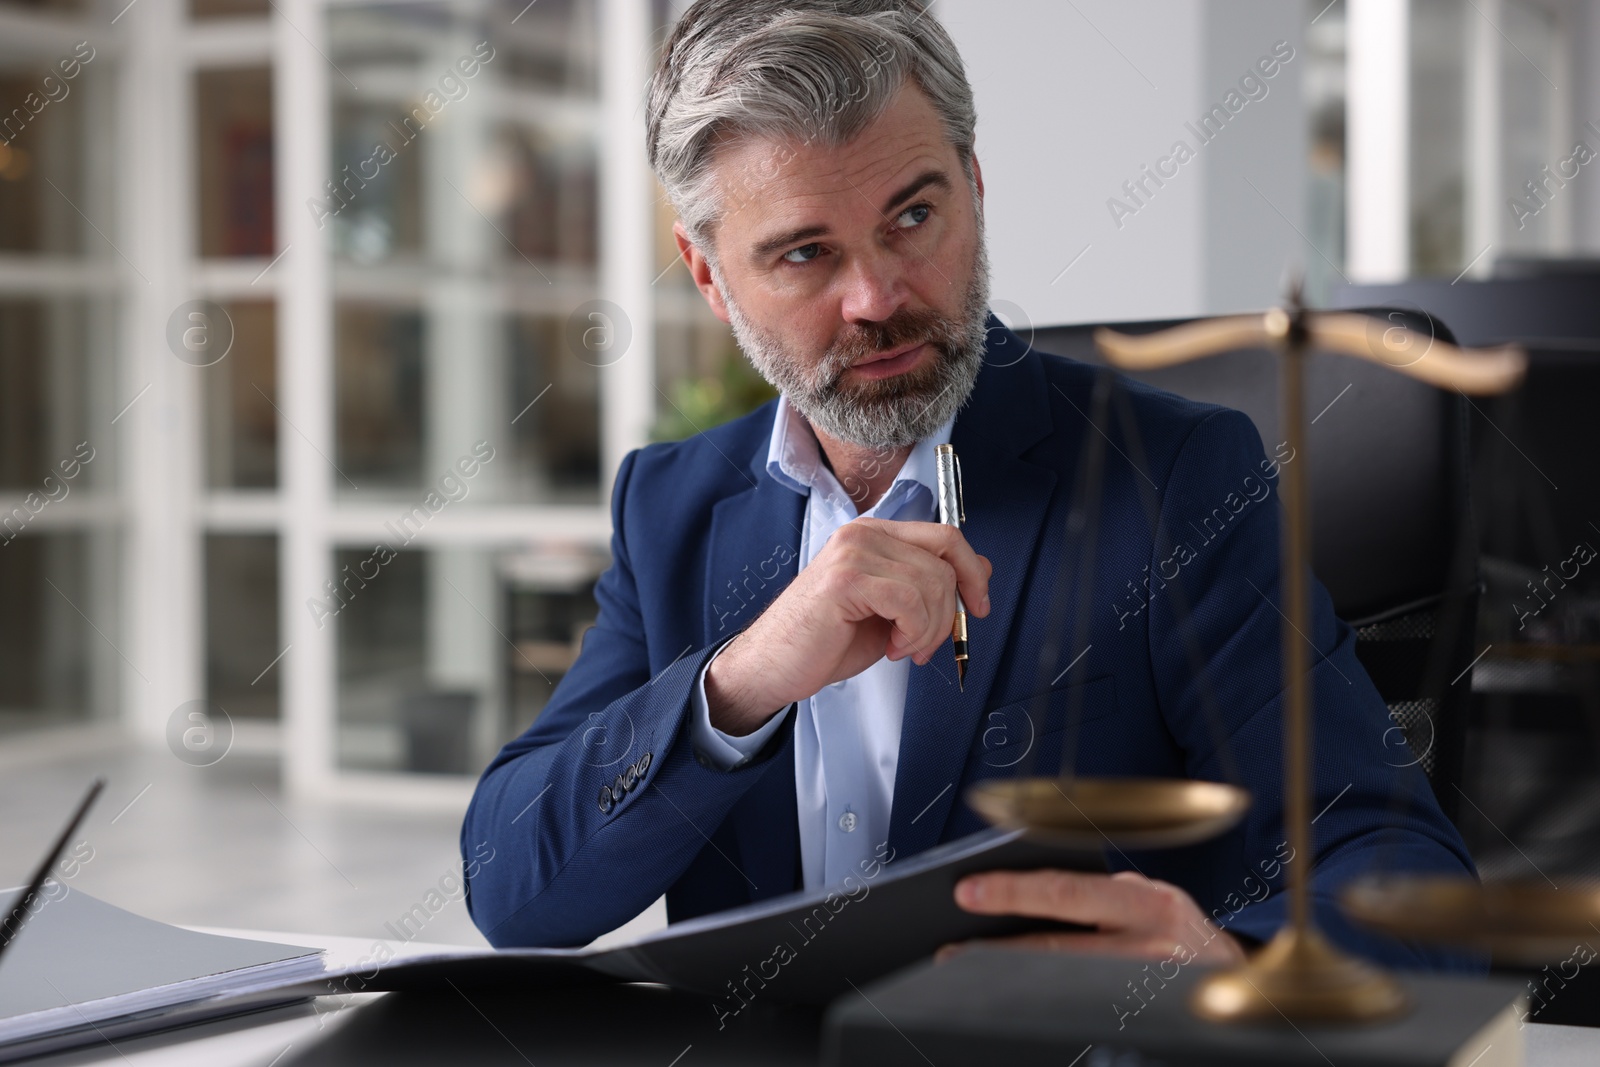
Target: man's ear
x,y
699,270
977,175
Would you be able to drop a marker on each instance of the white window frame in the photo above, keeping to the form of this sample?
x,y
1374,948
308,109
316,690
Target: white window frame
x,y
169,509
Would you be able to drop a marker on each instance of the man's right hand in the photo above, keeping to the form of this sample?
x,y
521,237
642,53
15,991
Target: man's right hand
x,y
878,587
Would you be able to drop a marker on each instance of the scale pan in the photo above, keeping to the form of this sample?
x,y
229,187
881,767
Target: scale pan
x,y
1126,812
1520,922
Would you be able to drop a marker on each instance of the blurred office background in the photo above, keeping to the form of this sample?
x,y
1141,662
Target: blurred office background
x,y
270,597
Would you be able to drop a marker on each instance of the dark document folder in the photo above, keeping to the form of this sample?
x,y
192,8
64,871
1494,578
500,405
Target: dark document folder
x,y
805,947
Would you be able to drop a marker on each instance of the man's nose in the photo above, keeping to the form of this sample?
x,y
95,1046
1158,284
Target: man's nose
x,y
874,287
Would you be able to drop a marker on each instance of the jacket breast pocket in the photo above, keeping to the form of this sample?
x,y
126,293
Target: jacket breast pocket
x,y
1011,734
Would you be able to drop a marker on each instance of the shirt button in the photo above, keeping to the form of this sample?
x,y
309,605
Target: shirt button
x,y
847,821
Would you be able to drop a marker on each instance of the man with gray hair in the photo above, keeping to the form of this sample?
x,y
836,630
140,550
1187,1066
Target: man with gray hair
x,y
761,705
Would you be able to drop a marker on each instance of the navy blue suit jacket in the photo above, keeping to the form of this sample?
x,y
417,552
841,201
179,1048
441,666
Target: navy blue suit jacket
x,y
601,806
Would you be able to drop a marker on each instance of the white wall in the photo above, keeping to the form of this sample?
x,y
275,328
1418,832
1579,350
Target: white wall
x,y
1074,99
1377,114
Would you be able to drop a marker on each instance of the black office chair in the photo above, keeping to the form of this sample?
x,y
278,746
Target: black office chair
x,y
1392,534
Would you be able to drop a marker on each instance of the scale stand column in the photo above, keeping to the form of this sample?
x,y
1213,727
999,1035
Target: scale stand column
x,y
1299,974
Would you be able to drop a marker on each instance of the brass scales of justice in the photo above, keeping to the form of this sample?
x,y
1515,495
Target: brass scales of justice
x,y
1299,975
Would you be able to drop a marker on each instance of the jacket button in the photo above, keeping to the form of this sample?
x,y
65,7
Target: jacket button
x,y
607,800
643,764
630,777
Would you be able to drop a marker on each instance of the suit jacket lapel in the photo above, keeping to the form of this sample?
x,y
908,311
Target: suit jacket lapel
x,y
1006,500
754,553
755,550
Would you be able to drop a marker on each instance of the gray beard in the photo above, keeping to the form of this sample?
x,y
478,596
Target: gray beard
x,y
888,413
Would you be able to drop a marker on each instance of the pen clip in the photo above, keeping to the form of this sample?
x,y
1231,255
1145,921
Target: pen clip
x,y
961,500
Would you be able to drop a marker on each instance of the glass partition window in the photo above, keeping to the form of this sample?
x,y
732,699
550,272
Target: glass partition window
x,y
1438,161
50,7
1325,98
554,399
446,654
463,218
234,120
1530,140
519,400
550,605
59,530
51,658
241,422
200,10
51,368
42,156
543,185
702,379
383,664
464,136
1485,116
373,210
379,386
241,594
533,422
58,537
455,201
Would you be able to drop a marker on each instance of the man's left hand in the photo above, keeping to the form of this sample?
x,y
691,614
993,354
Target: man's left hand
x,y
1132,915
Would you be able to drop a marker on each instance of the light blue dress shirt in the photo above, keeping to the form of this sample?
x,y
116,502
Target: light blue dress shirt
x,y
847,737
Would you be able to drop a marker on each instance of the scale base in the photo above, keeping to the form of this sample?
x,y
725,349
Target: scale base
x,y
1299,977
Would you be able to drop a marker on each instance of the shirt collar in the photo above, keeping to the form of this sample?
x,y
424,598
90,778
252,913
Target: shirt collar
x,y
794,458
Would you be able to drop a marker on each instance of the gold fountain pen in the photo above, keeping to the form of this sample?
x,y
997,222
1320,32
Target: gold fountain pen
x,y
953,512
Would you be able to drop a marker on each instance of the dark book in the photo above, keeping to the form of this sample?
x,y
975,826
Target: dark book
x,y
988,1006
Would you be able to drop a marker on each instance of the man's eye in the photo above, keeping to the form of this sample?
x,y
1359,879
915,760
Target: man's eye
x,y
803,254
918,215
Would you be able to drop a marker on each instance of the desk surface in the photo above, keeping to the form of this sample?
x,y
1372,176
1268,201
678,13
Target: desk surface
x,y
644,1025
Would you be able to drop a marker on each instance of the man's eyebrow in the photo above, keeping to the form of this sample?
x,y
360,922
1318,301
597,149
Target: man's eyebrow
x,y
931,178
935,178
783,240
